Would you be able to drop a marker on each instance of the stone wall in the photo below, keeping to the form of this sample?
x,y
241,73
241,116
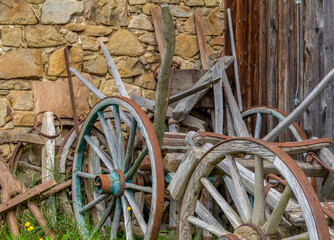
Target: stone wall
x,y
33,34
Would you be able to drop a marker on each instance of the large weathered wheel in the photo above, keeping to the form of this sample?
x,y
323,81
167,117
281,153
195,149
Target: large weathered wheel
x,y
244,221
111,175
259,111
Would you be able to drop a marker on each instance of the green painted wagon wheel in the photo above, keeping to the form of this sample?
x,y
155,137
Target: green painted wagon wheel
x,y
120,166
259,111
245,221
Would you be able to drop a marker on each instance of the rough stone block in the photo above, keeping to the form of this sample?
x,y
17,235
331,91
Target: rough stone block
x,y
21,100
125,43
21,63
16,12
23,118
5,112
146,80
60,11
11,37
186,46
43,36
57,66
107,12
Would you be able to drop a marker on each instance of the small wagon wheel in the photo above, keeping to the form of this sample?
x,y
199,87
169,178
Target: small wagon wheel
x,y
120,165
259,111
248,222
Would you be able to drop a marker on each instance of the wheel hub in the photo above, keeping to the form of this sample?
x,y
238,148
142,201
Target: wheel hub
x,y
112,183
246,231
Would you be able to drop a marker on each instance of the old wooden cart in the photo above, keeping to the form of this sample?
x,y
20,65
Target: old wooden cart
x,y
218,179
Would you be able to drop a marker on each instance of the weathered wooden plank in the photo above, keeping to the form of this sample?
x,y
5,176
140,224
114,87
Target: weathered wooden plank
x,y
158,27
186,93
203,48
12,137
183,108
183,173
239,125
236,72
218,96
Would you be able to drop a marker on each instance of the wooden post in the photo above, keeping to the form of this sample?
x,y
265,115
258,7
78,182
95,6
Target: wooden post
x,y
158,27
218,95
203,48
236,72
164,75
48,157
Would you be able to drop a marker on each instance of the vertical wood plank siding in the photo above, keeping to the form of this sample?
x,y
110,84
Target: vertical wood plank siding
x,y
266,46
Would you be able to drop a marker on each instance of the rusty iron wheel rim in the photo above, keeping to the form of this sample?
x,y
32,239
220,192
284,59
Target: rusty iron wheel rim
x,y
277,113
154,153
43,134
317,226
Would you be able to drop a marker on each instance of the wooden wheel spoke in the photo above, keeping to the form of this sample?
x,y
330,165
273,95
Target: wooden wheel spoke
x,y
242,197
110,136
226,208
258,125
138,188
302,236
259,198
93,203
103,218
130,146
85,175
136,210
127,219
119,135
98,151
136,164
206,216
204,225
271,225
116,219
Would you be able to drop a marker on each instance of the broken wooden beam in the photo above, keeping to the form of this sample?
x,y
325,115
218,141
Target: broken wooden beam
x,y
23,198
189,121
183,108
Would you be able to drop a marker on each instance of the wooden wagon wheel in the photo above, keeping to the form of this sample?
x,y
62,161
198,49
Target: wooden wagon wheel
x,y
119,166
259,111
249,222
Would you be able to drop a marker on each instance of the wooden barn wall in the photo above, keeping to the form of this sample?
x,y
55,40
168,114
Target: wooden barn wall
x,y
266,45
